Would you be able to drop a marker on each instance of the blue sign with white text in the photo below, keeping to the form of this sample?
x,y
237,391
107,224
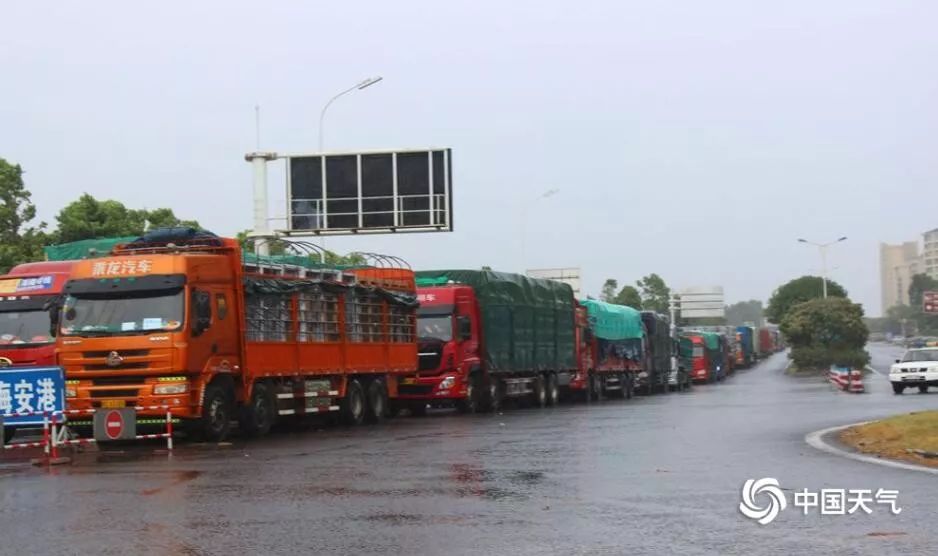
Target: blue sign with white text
x,y
30,389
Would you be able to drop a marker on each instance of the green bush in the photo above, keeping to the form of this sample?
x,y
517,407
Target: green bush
x,y
822,358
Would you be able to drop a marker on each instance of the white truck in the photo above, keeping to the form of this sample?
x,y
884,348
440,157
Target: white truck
x,y
917,368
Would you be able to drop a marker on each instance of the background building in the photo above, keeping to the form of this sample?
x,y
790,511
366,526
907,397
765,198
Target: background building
x,y
930,254
897,265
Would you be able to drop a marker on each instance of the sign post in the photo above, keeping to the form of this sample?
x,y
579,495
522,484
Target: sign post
x,y
115,424
26,393
930,303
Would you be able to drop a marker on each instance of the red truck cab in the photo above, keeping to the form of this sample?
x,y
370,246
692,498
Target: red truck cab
x,y
25,335
449,371
699,369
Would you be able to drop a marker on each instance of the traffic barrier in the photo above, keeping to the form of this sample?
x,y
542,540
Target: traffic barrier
x,y
44,443
59,436
848,380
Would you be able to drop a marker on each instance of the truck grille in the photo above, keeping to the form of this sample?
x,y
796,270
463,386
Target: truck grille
x,y
414,390
114,393
430,358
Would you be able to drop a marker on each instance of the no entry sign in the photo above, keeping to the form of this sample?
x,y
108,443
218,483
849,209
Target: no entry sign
x,y
115,424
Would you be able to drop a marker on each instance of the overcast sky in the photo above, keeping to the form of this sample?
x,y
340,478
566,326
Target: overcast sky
x,y
697,140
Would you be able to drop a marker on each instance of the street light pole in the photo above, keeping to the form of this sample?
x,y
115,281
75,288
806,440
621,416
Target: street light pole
x,y
322,115
822,248
524,223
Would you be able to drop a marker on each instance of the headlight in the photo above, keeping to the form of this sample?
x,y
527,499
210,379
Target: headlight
x,y
448,383
165,389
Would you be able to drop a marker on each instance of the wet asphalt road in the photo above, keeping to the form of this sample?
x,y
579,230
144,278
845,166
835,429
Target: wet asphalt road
x,y
654,475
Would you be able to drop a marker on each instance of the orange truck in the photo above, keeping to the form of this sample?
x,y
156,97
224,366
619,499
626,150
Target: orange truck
x,y
180,318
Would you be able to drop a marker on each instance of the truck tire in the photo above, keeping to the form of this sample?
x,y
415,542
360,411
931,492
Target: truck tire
x,y
217,411
352,407
629,385
922,388
897,387
8,433
259,415
553,390
540,392
377,402
470,404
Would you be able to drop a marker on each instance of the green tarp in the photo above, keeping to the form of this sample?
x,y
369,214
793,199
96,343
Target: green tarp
x,y
84,249
613,322
711,339
527,323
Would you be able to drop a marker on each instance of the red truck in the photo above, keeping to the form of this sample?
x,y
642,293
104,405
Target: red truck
x,y
25,335
485,336
766,342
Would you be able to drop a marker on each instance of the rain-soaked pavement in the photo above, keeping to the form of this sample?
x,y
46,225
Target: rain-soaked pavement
x,y
654,475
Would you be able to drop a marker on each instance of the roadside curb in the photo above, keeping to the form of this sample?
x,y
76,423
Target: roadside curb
x,y
816,440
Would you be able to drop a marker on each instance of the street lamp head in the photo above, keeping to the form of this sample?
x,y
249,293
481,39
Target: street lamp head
x,y
842,238
802,240
368,82
549,193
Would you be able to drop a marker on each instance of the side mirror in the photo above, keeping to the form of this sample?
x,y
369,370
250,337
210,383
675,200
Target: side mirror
x,y
54,307
898,361
464,328
201,312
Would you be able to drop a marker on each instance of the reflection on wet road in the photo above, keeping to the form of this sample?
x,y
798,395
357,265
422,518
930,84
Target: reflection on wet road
x,y
657,474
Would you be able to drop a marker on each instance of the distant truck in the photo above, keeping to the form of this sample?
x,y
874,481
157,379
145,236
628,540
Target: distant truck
x,y
660,349
180,318
710,356
766,341
617,350
746,339
485,336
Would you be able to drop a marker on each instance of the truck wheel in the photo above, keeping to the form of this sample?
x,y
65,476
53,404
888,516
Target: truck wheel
x,y
217,410
470,404
377,401
259,415
540,392
352,408
922,388
553,390
629,384
8,433
897,388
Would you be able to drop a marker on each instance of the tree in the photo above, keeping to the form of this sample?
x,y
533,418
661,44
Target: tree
x,y
629,297
656,295
824,332
164,218
19,241
89,218
798,291
744,312
608,293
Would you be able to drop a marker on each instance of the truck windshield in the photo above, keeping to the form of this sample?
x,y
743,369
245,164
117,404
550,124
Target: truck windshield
x,y
25,328
437,327
698,351
921,355
116,314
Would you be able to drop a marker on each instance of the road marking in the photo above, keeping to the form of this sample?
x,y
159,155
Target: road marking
x,y
815,440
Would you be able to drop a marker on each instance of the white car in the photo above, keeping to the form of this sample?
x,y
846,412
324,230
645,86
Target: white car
x,y
917,368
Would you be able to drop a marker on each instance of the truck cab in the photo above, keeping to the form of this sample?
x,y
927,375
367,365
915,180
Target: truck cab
x,y
698,356
450,372
25,328
150,327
